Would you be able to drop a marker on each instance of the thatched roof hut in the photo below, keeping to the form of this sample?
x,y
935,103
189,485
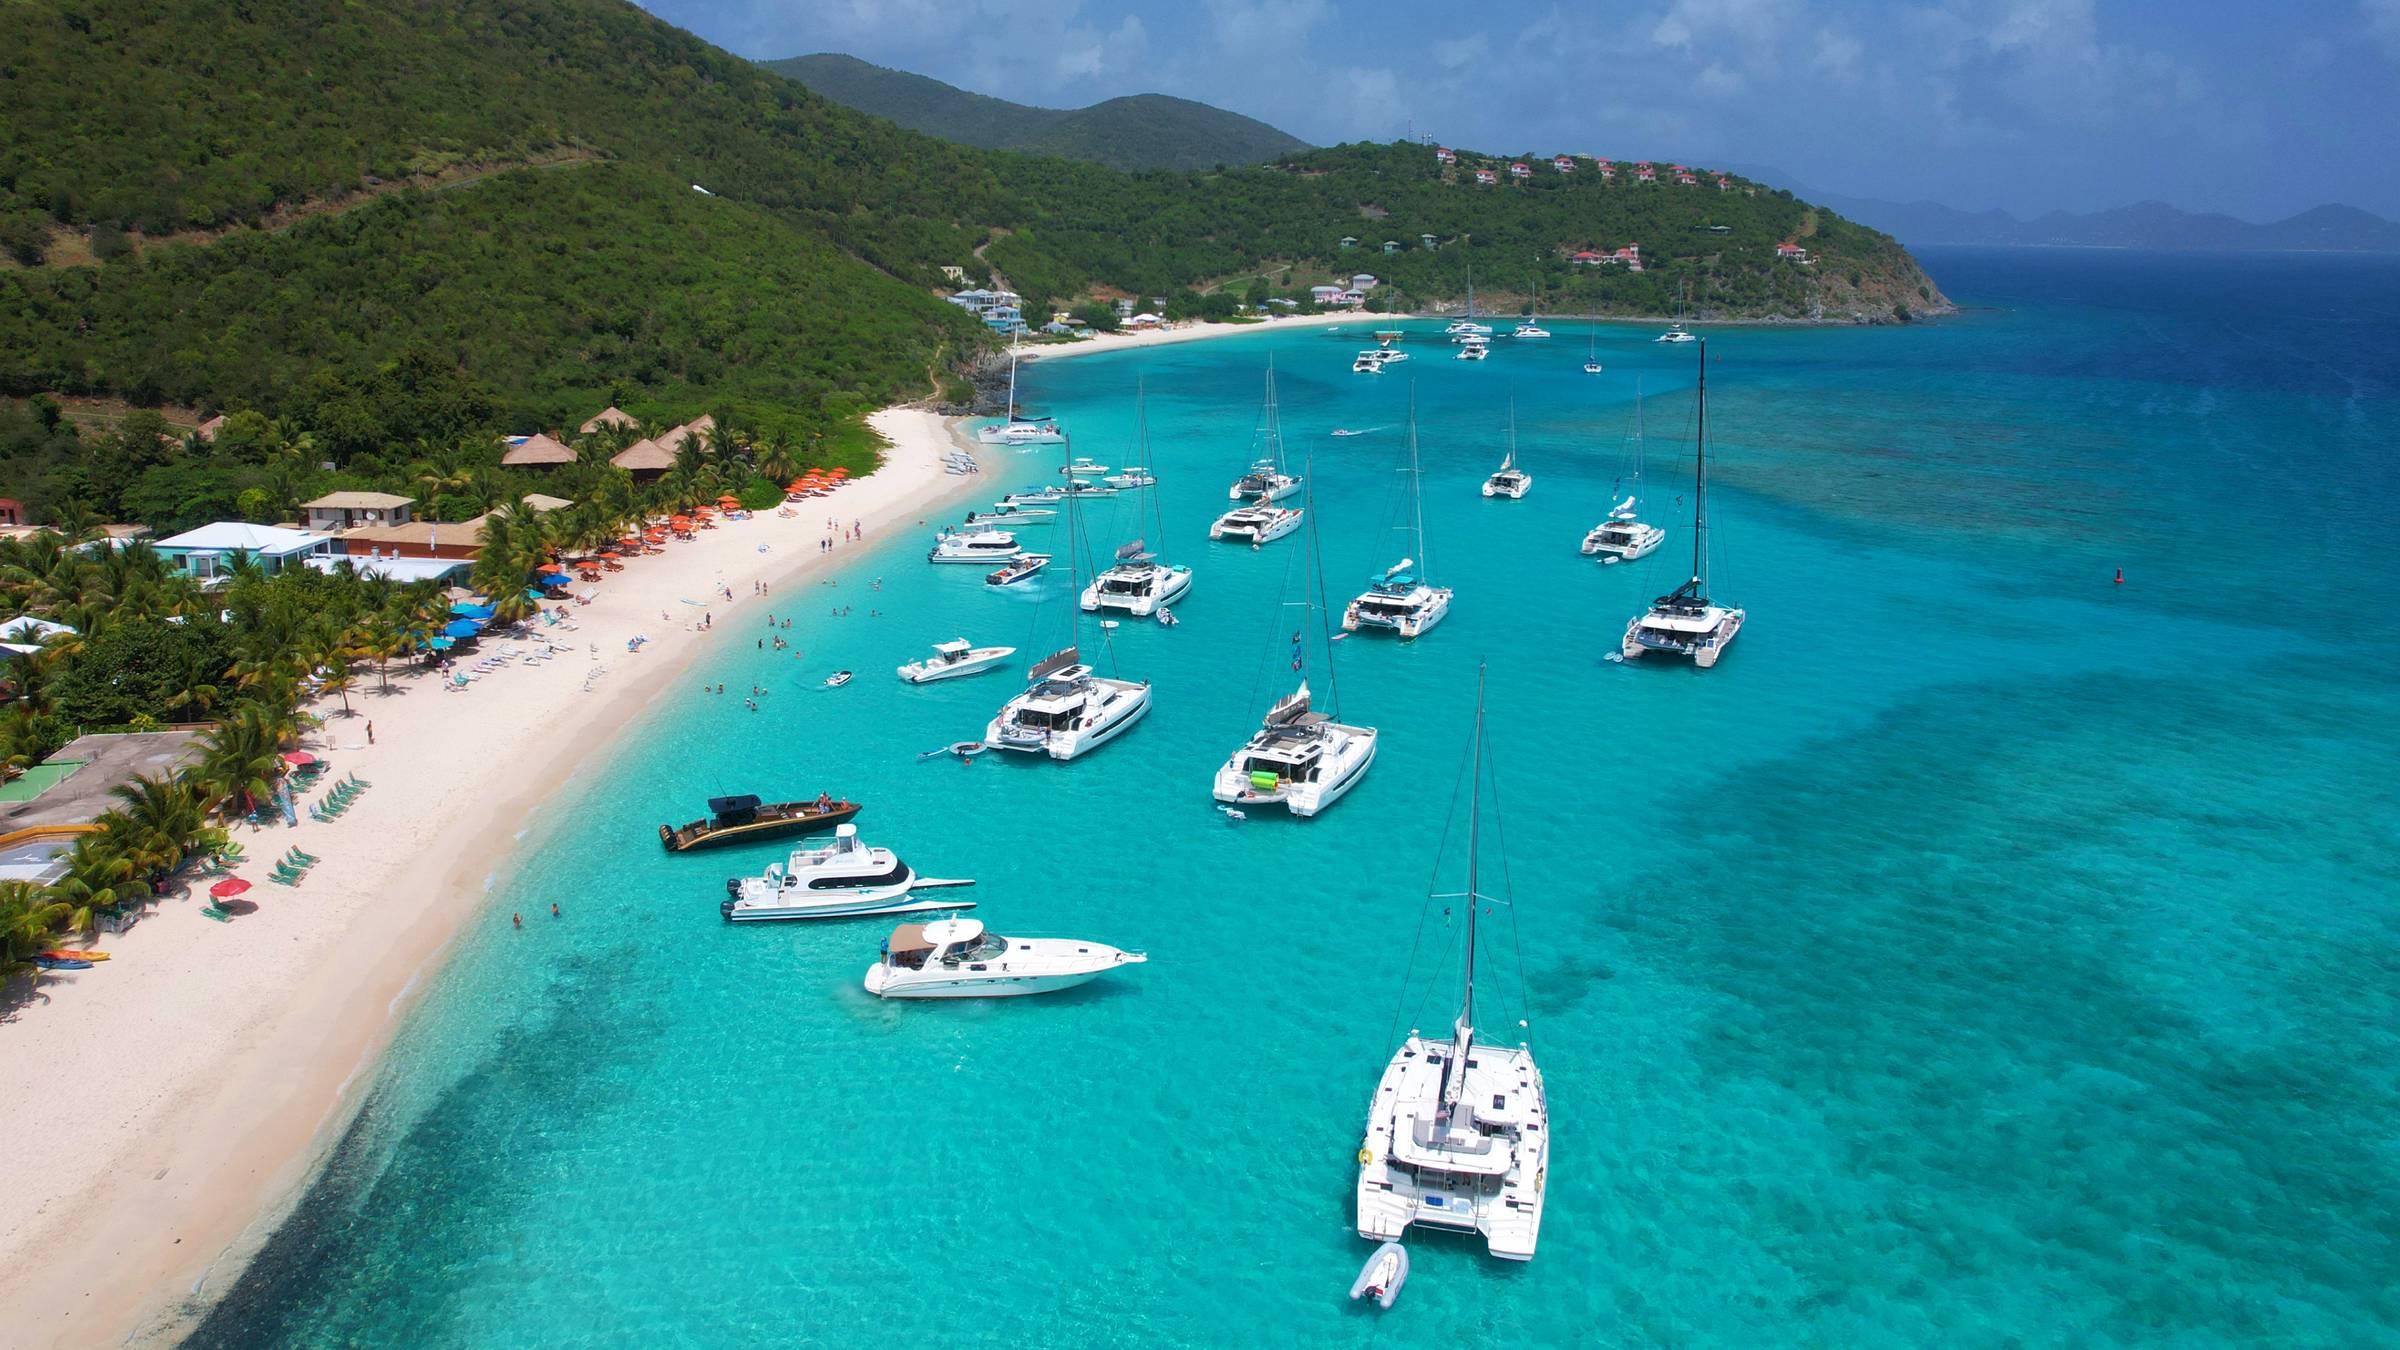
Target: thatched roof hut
x,y
537,450
610,416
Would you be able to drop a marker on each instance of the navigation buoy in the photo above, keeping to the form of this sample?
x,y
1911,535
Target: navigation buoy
x,y
2120,576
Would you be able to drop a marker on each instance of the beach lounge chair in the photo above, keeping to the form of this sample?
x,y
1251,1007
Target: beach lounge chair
x,y
210,911
298,859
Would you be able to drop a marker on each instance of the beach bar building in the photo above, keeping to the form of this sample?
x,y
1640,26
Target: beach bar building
x,y
207,553
347,510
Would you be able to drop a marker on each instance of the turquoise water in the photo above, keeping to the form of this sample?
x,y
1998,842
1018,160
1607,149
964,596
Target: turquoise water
x,y
1984,953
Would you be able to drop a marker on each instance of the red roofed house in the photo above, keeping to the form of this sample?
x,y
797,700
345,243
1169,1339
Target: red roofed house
x,y
1608,173
1519,171
1564,164
1587,258
1643,173
208,430
1442,155
1486,177
1687,180
1791,251
1724,184
1630,255
12,511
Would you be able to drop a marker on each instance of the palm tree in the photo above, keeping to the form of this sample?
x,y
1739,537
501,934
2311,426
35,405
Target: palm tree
x,y
30,919
100,873
242,755
164,820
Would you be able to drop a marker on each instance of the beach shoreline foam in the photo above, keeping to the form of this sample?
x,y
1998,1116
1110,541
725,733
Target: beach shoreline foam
x,y
166,1110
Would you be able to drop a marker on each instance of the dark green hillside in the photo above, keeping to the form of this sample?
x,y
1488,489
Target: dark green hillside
x,y
1145,131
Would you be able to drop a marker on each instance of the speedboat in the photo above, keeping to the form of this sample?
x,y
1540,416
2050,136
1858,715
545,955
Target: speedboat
x,y
1067,710
1137,584
974,546
1077,487
1392,355
1529,329
1396,600
1084,468
744,819
838,880
1685,622
1469,327
1301,760
838,678
1131,476
1035,496
1458,1129
1025,565
1262,484
1473,349
952,659
1255,524
1010,516
956,958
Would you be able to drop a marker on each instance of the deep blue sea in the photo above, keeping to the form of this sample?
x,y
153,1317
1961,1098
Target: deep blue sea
x,y
1985,953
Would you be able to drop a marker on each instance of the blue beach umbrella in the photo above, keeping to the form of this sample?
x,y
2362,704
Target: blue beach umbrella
x,y
459,628
467,610
442,644
556,578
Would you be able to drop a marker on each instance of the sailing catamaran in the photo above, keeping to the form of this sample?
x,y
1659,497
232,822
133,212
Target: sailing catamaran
x,y
1684,621
1508,480
1676,332
1458,1132
1136,582
1591,353
1265,480
1015,430
1623,537
1067,709
1301,759
1399,599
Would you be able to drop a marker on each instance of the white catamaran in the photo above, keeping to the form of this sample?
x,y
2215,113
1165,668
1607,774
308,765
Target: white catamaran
x,y
1068,709
1685,621
1265,480
1300,759
1399,599
1137,583
1458,1132
1015,430
1508,480
1623,537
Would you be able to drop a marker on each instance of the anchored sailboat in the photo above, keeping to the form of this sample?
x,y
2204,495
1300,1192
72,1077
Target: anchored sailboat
x,y
1015,430
1458,1131
1137,583
1684,621
1399,599
1301,759
1623,537
1508,480
1068,710
1259,520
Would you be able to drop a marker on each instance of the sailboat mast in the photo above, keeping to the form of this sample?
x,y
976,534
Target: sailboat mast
x,y
1416,495
1315,599
1141,438
1466,1016
1274,427
1012,378
1700,483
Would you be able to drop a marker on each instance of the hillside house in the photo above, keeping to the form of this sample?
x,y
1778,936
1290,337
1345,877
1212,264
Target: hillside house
x,y
1564,164
1391,246
208,430
1428,241
1364,281
1724,184
1485,177
1520,170
1442,155
348,510
1584,257
12,511
1687,180
1791,253
536,452
1349,241
1144,320
1604,165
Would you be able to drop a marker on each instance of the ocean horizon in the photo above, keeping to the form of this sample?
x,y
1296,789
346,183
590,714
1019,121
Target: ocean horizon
x,y
1989,950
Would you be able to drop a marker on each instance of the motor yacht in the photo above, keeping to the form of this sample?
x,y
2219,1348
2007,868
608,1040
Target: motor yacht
x,y
974,546
1255,524
1010,517
1131,476
1080,467
1468,327
1029,498
1136,584
833,881
1393,356
1367,363
958,958
1458,1129
1529,329
1473,349
1301,760
1067,710
1685,621
952,659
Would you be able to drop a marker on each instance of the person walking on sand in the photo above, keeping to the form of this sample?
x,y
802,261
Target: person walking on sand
x,y
370,731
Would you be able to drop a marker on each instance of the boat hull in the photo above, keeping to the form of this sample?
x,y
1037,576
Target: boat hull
x,y
1703,649
921,672
1173,587
676,840
1608,553
1302,800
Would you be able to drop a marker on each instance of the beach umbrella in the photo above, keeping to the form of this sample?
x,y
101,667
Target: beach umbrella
x,y
461,628
442,644
464,610
535,595
228,888
298,758
555,578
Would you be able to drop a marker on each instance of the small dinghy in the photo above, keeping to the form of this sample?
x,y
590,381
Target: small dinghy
x,y
964,749
1383,1274
837,679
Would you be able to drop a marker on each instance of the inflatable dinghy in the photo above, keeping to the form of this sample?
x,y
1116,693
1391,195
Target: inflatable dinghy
x,y
1380,1279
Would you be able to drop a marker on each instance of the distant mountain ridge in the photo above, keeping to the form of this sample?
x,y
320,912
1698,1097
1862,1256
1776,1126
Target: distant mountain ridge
x,y
1142,131
2158,225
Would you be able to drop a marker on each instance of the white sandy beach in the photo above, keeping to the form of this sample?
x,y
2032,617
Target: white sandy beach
x,y
1197,330
161,1108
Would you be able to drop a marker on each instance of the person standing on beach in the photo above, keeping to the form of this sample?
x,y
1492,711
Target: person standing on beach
x,y
370,731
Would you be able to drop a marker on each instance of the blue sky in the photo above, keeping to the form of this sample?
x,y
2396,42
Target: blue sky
x,y
2254,108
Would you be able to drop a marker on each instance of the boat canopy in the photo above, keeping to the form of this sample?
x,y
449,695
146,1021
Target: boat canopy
x,y
954,647
744,805
1055,662
908,938
1129,552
